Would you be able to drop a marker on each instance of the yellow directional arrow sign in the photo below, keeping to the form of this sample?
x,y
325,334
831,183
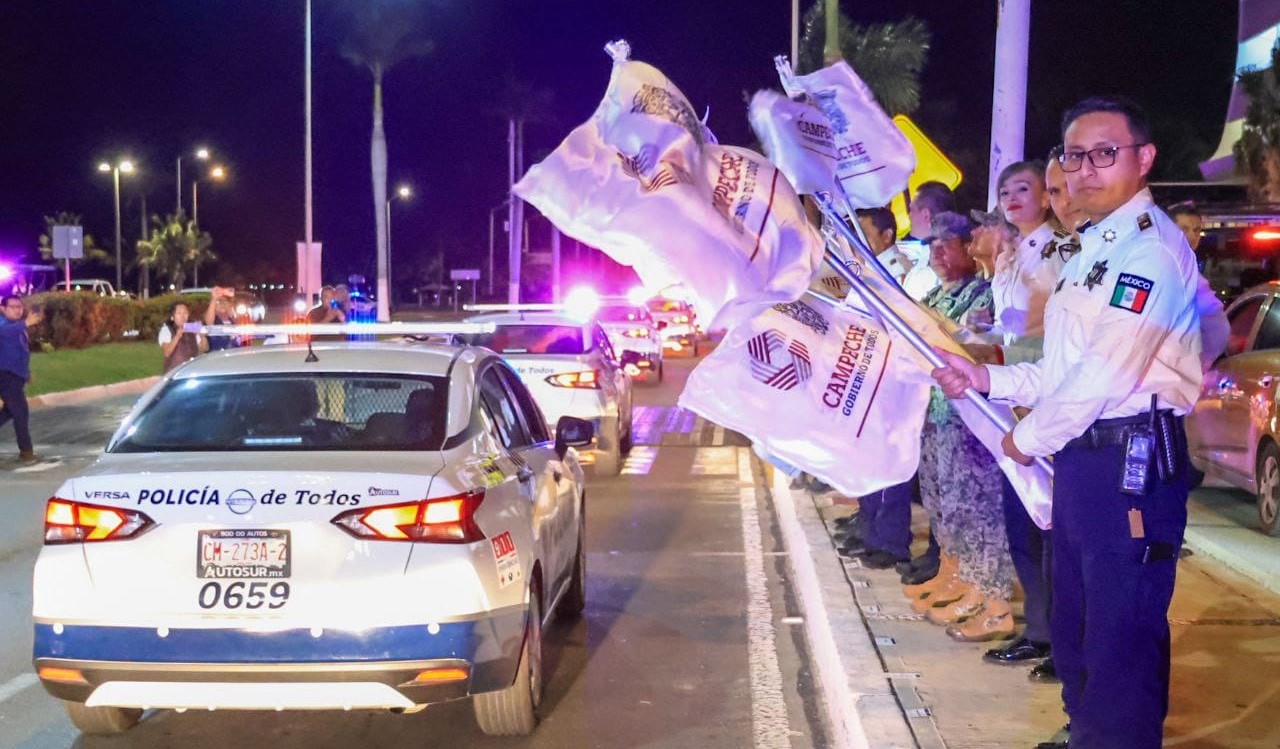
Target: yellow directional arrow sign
x,y
932,165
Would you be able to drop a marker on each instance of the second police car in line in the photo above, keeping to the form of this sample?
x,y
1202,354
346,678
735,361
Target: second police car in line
x,y
568,363
364,525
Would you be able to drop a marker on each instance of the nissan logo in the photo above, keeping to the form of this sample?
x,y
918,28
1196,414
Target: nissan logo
x,y
241,501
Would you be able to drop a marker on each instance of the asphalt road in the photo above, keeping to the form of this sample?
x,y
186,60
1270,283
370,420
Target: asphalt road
x,y
685,641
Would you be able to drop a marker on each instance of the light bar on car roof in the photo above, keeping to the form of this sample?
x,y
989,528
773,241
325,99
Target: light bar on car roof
x,y
354,328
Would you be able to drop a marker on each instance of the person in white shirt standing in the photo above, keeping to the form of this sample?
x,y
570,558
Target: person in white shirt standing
x,y
1121,367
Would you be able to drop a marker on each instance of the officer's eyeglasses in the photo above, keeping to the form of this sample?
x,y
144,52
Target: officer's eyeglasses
x,y
14,305
1101,158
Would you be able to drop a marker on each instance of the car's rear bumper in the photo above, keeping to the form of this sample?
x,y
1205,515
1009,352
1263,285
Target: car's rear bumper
x,y
289,669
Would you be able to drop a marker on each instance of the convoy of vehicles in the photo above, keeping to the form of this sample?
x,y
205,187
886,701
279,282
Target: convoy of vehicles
x,y
635,338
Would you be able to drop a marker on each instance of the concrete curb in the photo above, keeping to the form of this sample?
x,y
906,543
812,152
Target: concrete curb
x,y
862,707
95,392
1241,558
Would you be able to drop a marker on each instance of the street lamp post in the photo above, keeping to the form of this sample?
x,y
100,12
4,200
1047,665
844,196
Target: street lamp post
x,y
126,166
203,155
218,173
403,192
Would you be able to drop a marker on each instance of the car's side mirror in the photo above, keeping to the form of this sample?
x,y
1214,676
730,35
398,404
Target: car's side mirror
x,y
571,432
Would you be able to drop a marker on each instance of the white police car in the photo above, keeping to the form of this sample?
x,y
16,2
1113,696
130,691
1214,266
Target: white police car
x,y
634,336
571,369
677,323
365,525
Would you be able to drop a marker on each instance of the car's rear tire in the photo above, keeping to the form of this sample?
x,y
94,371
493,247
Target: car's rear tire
x,y
101,721
659,371
609,453
1268,496
575,598
514,711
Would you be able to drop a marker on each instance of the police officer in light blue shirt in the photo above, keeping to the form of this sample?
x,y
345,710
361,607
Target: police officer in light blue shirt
x,y
15,370
1121,366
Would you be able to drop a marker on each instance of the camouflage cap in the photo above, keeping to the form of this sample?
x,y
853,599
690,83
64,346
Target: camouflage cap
x,y
947,225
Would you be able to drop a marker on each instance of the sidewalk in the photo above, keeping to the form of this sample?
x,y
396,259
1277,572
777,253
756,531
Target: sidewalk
x,y
1226,642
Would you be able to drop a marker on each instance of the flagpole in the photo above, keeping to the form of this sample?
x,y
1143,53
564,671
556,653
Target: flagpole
x,y
901,327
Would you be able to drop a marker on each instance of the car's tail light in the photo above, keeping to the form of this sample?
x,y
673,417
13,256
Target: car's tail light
x,y
445,520
68,522
589,380
682,318
636,333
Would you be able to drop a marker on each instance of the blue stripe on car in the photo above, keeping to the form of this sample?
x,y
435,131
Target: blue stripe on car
x,y
145,645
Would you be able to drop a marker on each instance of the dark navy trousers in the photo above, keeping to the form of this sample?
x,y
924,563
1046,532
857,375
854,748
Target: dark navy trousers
x,y
888,520
1110,630
13,393
1032,554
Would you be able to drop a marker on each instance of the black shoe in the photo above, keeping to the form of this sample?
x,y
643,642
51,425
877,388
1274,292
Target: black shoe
x,y
1045,673
920,574
1053,745
845,521
903,567
1017,652
852,549
875,559
847,535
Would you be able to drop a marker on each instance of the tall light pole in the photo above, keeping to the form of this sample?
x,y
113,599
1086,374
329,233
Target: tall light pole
x,y
304,271
200,153
403,192
1009,94
218,173
125,166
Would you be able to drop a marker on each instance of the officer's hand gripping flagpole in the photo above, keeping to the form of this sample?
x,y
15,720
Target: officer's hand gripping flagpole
x,y
889,316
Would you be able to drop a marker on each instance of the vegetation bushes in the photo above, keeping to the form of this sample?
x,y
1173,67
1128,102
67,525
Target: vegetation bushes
x,y
81,319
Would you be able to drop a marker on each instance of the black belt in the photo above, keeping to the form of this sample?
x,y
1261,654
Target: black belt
x,y
1116,432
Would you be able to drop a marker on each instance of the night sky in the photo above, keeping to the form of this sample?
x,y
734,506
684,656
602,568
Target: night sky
x,y
84,81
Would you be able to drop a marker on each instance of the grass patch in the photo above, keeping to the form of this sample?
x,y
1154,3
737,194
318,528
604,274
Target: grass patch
x,y
69,369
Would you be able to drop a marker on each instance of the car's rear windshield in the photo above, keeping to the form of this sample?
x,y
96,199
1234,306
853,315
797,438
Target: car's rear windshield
x,y
621,314
531,339
237,413
667,305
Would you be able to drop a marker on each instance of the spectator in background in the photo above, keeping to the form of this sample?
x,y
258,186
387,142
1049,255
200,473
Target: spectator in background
x,y
328,310
992,237
221,312
1189,222
179,342
881,229
931,199
15,371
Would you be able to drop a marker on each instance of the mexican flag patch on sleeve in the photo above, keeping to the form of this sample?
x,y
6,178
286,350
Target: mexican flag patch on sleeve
x,y
1131,292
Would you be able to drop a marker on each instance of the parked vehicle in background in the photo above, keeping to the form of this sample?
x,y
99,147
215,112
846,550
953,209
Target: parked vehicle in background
x,y
635,338
571,368
93,286
1234,430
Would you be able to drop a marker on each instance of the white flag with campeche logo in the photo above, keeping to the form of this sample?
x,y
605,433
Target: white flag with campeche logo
x,y
873,158
643,181
824,389
797,137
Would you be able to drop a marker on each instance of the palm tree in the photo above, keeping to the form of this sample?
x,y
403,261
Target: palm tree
x,y
887,56
1258,150
174,246
383,34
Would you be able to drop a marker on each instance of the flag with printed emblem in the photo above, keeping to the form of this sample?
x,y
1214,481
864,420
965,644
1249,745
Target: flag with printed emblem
x,y
825,389
644,181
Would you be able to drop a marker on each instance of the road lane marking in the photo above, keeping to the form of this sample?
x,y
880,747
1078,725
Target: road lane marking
x,y
16,685
715,461
769,721
639,461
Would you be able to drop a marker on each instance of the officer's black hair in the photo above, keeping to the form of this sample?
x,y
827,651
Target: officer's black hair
x,y
4,300
1136,116
935,196
881,218
1185,208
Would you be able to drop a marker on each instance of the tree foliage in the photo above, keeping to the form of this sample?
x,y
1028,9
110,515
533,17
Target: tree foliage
x,y
1258,150
384,33
175,248
887,56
